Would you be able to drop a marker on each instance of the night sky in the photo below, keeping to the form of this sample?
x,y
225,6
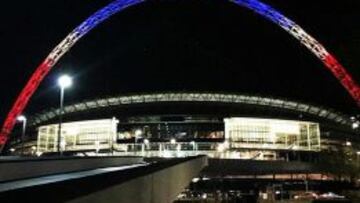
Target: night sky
x,y
188,45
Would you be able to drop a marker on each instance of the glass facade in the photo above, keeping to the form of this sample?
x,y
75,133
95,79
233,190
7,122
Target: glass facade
x,y
234,137
272,134
164,128
83,135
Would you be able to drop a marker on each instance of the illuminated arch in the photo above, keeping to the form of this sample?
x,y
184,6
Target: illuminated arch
x,y
118,5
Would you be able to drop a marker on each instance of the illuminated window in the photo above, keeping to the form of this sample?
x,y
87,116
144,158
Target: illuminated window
x,y
81,135
272,133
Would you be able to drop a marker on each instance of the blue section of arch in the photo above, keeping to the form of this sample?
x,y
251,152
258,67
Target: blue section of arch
x,y
102,15
266,11
118,5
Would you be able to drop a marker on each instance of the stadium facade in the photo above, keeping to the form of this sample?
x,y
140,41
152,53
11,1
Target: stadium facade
x,y
181,124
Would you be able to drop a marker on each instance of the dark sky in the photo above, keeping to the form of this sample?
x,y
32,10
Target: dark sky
x,y
188,45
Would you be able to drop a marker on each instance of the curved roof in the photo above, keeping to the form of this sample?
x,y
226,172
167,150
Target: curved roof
x,y
235,99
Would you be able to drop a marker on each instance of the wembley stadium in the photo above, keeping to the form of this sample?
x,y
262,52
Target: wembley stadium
x,y
246,137
197,129
178,124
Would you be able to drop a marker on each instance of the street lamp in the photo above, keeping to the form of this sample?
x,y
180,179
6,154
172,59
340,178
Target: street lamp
x,y
192,143
138,133
22,119
146,144
64,82
355,125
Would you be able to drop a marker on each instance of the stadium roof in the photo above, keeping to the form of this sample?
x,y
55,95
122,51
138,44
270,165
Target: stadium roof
x,y
232,99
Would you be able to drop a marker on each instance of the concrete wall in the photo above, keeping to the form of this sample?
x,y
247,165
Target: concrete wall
x,y
159,187
15,169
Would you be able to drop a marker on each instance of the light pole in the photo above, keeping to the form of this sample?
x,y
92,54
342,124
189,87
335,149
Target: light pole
x,y
146,142
145,145
22,119
172,143
138,133
192,143
64,82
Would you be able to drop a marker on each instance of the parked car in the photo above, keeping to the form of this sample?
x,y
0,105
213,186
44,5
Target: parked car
x,y
306,196
331,196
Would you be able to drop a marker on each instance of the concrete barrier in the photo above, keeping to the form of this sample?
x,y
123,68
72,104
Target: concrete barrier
x,y
21,168
159,187
157,182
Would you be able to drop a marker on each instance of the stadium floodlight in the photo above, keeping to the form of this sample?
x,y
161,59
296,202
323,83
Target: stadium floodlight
x,y
65,81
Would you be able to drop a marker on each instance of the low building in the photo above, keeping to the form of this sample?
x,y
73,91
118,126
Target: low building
x,y
75,136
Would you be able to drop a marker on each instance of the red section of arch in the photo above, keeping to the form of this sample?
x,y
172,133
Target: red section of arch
x,y
344,77
23,99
